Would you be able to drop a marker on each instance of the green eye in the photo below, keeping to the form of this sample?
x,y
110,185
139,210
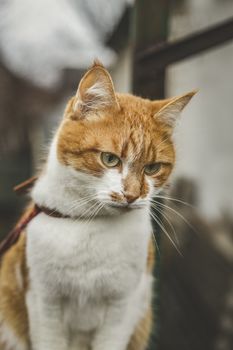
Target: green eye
x,y
152,169
109,159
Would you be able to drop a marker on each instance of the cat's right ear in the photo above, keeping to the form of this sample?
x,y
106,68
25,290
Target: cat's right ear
x,y
170,109
95,92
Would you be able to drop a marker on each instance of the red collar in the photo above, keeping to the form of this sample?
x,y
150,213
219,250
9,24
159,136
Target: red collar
x,y
52,212
14,234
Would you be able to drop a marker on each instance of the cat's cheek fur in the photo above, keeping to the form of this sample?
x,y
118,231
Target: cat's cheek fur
x,y
65,186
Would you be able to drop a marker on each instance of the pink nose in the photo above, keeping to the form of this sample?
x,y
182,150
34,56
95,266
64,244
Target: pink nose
x,y
130,198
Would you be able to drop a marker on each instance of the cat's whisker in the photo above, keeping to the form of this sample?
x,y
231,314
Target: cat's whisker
x,y
84,214
175,200
93,215
156,243
79,205
80,200
95,212
158,221
83,200
161,212
162,205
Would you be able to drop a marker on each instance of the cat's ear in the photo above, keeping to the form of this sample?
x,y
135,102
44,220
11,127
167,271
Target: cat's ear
x,y
95,91
170,109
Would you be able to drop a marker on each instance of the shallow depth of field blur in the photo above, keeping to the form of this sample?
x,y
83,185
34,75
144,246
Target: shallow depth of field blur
x,y
45,46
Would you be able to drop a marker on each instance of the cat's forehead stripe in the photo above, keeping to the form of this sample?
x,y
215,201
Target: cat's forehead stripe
x,y
134,145
138,147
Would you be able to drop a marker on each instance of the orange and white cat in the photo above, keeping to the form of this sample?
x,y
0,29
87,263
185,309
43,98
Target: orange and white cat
x,y
82,280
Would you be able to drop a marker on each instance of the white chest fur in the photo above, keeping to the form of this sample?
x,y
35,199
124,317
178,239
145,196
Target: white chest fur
x,y
88,263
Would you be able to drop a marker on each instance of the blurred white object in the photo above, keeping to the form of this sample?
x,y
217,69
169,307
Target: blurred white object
x,y
38,39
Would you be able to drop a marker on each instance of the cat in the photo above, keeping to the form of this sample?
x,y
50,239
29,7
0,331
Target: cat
x,y
80,275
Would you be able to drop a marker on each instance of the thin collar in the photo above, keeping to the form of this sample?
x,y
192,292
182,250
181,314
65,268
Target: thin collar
x,y
52,212
16,232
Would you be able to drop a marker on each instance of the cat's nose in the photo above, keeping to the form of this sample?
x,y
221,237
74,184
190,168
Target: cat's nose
x,y
130,198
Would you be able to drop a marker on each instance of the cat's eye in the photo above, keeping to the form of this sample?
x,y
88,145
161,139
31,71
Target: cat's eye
x,y
151,169
109,159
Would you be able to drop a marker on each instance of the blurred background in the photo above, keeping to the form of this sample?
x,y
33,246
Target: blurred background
x,y
155,49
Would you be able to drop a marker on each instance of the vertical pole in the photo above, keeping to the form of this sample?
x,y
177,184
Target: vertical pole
x,y
150,27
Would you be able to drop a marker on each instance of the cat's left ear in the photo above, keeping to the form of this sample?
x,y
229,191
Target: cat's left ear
x,y
95,92
170,110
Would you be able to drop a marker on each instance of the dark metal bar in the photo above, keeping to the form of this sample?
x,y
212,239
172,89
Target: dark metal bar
x,y
161,55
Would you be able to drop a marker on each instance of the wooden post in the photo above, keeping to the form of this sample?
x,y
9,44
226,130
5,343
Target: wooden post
x,y
150,27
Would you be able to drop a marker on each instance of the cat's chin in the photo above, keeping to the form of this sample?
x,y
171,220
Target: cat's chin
x,y
116,208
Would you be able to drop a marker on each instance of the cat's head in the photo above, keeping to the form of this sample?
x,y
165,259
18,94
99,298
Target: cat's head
x,y
121,144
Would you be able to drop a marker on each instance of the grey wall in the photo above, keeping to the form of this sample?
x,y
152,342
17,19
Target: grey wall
x,y
204,136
